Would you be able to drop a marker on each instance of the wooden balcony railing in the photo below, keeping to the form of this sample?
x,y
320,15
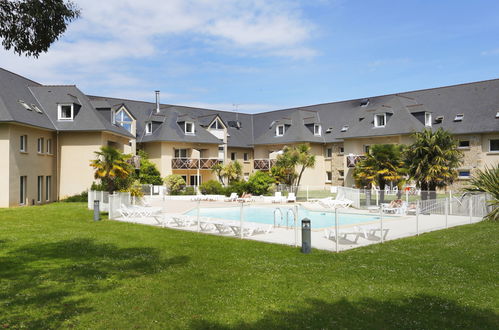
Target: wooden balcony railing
x,y
263,164
353,159
194,163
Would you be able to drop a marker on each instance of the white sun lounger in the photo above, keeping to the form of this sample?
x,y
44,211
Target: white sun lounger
x,y
342,234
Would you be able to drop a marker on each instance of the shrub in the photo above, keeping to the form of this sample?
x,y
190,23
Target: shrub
x,y
211,187
259,183
239,187
189,191
83,197
148,173
174,183
136,189
97,187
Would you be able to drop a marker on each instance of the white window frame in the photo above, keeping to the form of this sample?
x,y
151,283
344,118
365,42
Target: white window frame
x,y
246,157
376,119
218,125
39,189
460,147
344,128
490,146
233,156
317,130
189,132
198,180
48,187
59,112
341,150
40,145
464,177
427,119
148,128
23,143
23,186
49,146
329,152
122,122
341,174
459,117
366,148
179,151
329,173
277,133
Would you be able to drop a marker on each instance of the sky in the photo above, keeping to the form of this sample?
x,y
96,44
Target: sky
x,y
257,55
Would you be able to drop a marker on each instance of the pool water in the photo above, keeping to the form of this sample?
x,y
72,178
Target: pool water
x,y
266,215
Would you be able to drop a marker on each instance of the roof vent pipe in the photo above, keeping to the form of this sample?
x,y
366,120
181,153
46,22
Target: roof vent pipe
x,y
157,101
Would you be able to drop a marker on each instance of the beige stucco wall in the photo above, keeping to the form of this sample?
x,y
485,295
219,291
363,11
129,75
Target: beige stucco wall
x,y
334,164
489,158
76,150
30,164
4,165
247,166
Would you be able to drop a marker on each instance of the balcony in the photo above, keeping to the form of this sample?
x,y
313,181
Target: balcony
x,y
263,164
354,159
194,163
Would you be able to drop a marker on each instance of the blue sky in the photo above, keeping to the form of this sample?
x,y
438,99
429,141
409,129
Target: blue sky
x,y
264,55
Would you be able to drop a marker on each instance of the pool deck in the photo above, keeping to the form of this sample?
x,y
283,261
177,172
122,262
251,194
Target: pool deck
x,y
394,227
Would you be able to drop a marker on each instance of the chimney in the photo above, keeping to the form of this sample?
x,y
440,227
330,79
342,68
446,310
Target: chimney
x,y
157,101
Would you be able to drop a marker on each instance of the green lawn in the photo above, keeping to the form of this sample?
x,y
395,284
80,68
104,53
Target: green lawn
x,y
60,269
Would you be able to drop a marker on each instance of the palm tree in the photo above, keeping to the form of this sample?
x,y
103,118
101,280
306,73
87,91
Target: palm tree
x,y
233,171
487,181
432,160
110,166
218,170
381,166
299,155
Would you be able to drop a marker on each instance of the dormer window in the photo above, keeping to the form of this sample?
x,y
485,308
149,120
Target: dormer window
x,y
364,103
216,125
317,130
123,119
189,128
149,128
497,114
459,117
25,105
37,109
279,130
344,128
427,119
380,120
439,119
65,112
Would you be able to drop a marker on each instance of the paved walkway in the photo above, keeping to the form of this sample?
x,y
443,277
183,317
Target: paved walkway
x,y
349,236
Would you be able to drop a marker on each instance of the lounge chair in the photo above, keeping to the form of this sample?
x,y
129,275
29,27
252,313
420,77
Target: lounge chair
x,y
246,198
369,232
278,198
396,206
184,220
232,198
291,197
335,203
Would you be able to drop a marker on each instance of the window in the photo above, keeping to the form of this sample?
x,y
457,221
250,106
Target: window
x,y
380,120
329,152
364,103
317,129
195,180
180,153
464,144
341,174
40,145
22,189
329,176
279,130
149,128
497,114
37,109
49,146
185,178
123,119
494,145
464,174
48,187
39,191
217,125
25,105
189,128
427,119
342,150
245,156
65,112
23,143
232,156
459,117
366,149
439,119
344,128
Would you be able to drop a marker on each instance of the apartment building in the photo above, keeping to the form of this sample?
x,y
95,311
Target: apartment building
x,y
189,141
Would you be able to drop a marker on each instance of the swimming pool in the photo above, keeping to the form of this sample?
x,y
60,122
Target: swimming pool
x,y
266,215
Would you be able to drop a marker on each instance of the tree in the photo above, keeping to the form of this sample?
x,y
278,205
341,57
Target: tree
x,y
487,181
112,168
232,171
174,183
382,165
31,26
148,173
259,183
296,156
432,160
218,169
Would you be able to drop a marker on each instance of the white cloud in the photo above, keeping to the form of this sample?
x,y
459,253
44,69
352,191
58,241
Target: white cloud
x,y
490,52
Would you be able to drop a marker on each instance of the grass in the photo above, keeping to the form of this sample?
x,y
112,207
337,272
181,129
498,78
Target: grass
x,y
58,269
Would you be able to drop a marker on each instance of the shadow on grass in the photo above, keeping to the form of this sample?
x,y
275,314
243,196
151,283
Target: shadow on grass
x,y
418,312
46,285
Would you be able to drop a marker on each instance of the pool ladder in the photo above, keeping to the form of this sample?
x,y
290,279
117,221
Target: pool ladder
x,y
278,212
